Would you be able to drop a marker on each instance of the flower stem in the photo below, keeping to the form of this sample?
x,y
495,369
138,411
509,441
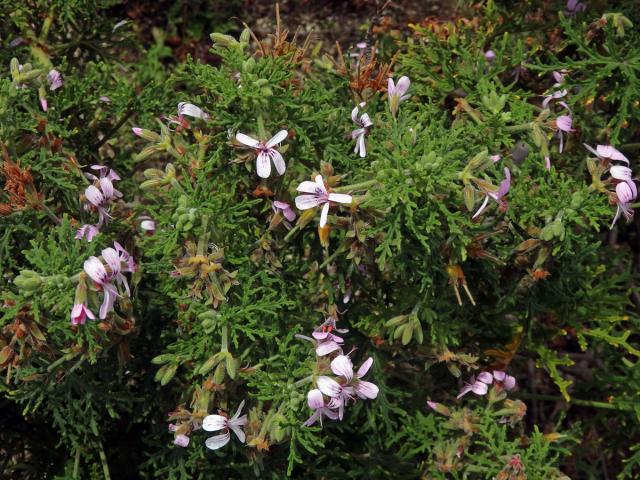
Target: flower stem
x,y
303,381
578,401
291,232
103,460
50,214
356,186
519,128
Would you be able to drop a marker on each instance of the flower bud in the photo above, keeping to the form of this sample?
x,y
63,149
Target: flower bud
x,y
29,281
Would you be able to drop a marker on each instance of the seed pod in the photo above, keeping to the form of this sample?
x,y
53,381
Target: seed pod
x,y
169,373
211,362
218,376
164,358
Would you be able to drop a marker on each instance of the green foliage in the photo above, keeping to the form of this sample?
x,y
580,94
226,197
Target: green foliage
x,y
436,271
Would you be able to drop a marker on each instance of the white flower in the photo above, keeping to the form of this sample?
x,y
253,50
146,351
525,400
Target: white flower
x,y
212,423
266,152
191,110
319,196
363,122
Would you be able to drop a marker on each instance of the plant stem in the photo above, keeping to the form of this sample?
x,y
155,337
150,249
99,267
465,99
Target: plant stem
x,y
519,128
578,401
103,460
355,186
50,214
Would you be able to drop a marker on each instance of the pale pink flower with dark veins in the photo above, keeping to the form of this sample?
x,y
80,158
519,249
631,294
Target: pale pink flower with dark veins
x,y
364,123
55,79
285,209
266,152
89,231
626,192
607,152
102,193
319,195
397,93
213,423
320,409
98,273
479,386
351,383
564,124
79,314
503,189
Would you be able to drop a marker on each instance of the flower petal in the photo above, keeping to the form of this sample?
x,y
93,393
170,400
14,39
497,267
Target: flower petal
x,y
325,348
278,161
305,202
366,389
479,388
263,165
329,386
277,138
340,198
236,417
364,368
218,441
342,366
239,432
211,423
324,214
308,187
247,140
315,399
403,85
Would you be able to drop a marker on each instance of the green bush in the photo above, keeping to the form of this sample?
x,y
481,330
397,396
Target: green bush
x,y
161,288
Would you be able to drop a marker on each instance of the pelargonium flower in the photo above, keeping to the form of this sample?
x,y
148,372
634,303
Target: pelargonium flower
x,y
503,189
397,93
181,440
213,423
191,110
507,382
147,224
100,195
563,124
266,152
573,7
320,409
351,384
363,122
626,193
327,341
620,172
490,55
319,195
55,79
79,314
553,96
118,260
89,231
285,209
607,152
479,386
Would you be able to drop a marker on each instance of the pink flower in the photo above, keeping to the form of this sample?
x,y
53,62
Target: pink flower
x,y
285,209
212,423
479,386
118,260
607,152
55,79
266,152
364,123
98,273
101,193
181,441
191,110
320,409
89,231
553,96
397,93
626,193
497,196
563,124
79,314
490,55
573,7
505,381
319,196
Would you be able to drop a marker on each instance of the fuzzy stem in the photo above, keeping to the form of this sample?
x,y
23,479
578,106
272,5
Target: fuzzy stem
x,y
519,128
355,186
291,232
303,381
262,133
578,401
50,214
